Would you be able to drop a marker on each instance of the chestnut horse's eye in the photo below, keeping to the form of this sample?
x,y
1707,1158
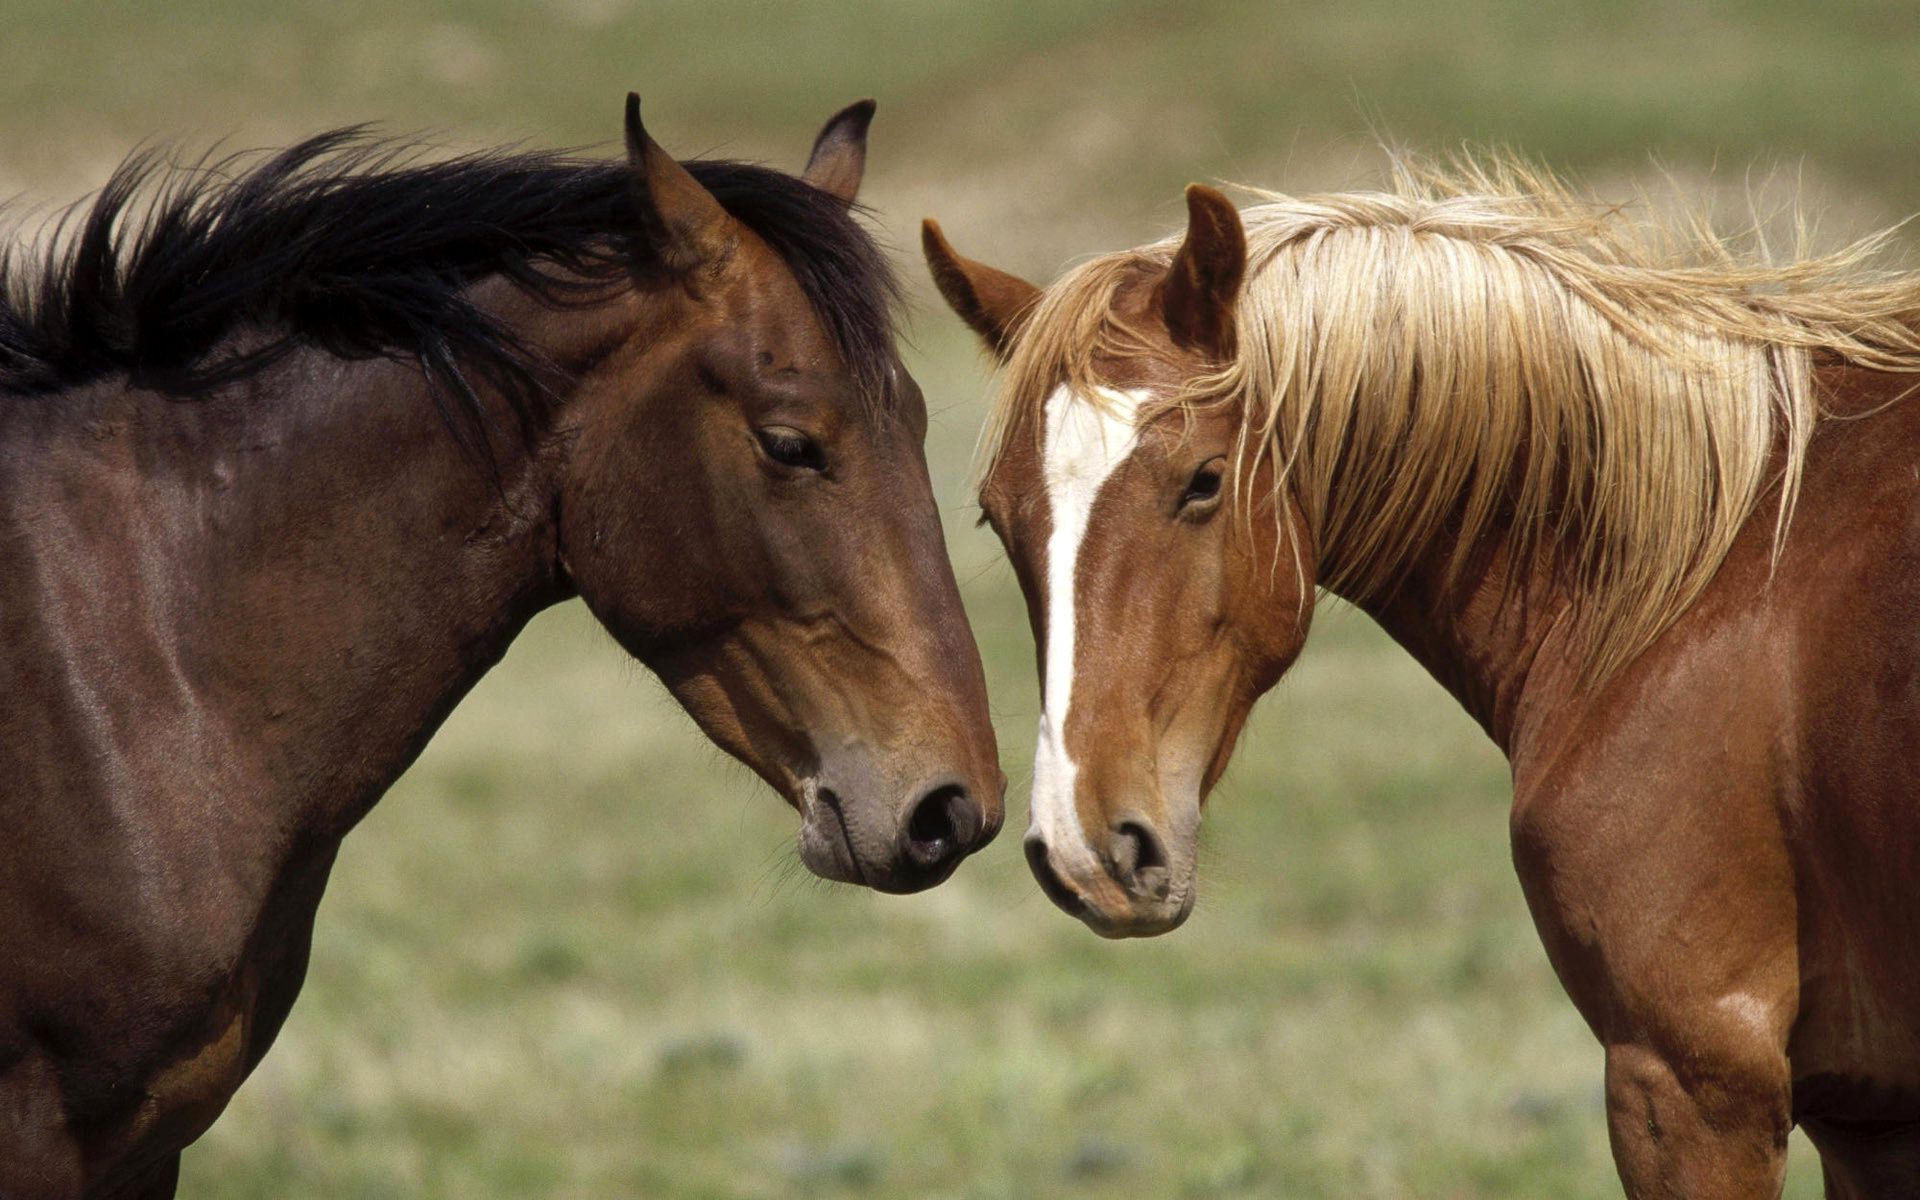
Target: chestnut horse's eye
x,y
1204,488
791,448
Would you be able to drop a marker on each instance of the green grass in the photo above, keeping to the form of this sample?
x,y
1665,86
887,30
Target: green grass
x,y
573,955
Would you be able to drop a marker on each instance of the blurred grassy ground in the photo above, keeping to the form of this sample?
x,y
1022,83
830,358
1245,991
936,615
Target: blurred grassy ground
x,y
572,954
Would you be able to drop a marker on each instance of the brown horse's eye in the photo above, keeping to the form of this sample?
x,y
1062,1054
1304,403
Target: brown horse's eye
x,y
791,448
1204,488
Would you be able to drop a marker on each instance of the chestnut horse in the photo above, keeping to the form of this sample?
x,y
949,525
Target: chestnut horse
x,y
285,464
1649,509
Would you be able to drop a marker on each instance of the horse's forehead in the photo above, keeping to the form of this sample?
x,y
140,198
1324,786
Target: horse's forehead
x,y
1087,435
1067,435
770,302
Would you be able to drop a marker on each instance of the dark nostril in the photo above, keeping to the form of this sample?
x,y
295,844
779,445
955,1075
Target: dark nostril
x,y
1041,864
944,825
1139,859
1140,845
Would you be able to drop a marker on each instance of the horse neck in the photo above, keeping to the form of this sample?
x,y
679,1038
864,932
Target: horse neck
x,y
307,569
447,566
450,556
1481,632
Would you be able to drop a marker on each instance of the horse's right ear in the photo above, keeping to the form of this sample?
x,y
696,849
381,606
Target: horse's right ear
x,y
993,302
839,157
1198,296
679,219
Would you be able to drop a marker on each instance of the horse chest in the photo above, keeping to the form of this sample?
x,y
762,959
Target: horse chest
x,y
153,1080
184,1096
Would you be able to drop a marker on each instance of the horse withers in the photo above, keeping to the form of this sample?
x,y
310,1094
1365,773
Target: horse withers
x,y
288,455
1650,511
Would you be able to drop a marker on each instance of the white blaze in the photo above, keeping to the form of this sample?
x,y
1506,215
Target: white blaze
x,y
1086,441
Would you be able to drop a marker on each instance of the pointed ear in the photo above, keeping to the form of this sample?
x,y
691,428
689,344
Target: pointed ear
x,y
680,221
993,302
839,155
1198,295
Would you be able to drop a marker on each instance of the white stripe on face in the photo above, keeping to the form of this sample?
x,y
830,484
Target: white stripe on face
x,y
1086,442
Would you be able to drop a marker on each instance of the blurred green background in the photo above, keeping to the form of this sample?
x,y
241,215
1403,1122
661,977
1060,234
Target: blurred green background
x,y
573,954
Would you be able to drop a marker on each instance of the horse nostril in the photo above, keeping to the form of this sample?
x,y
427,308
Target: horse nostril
x,y
1041,864
944,825
1139,859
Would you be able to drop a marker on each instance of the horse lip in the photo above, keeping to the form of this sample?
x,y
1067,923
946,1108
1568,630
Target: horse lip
x,y
832,835
831,801
1141,918
1124,915
1161,919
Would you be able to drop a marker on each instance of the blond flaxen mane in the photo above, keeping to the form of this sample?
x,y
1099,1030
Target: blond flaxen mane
x,y
1481,346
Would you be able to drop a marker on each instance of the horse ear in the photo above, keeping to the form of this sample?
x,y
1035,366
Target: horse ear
x,y
839,155
1202,285
993,302
680,221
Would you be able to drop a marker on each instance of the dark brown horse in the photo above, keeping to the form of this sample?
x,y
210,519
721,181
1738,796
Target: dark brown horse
x,y
285,464
1652,516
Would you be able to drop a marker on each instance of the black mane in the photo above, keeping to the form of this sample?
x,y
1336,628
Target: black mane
x,y
357,245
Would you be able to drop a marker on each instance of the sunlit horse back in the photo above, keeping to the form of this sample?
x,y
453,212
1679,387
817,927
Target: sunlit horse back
x,y
290,453
1648,506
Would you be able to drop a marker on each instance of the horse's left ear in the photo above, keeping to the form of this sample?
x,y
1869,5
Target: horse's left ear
x,y
1202,286
839,157
680,221
994,303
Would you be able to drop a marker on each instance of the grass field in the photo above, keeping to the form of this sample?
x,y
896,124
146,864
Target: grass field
x,y
573,953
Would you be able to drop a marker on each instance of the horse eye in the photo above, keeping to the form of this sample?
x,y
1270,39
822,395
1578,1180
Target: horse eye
x,y
1204,487
791,448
